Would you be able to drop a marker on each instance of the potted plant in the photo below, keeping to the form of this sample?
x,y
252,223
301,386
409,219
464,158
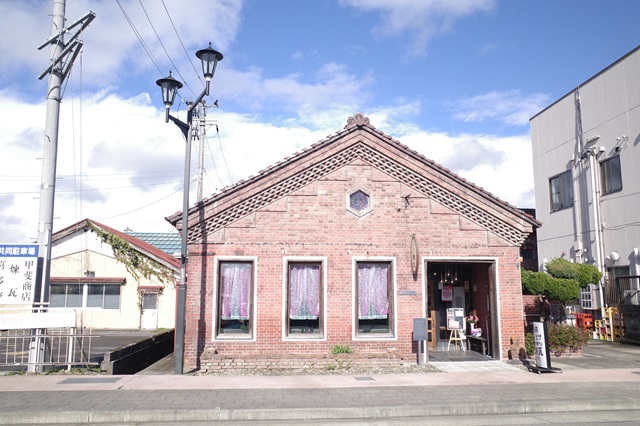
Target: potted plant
x,y
471,321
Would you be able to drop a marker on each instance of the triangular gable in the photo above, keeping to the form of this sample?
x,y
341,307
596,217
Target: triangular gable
x,y
359,142
142,246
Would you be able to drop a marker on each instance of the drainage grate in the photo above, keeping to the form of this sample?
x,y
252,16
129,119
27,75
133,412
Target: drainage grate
x,y
365,379
84,380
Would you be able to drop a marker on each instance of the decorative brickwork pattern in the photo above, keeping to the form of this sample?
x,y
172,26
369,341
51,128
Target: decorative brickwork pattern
x,y
392,168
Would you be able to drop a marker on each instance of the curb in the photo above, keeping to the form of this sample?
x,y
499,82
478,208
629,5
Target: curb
x,y
218,414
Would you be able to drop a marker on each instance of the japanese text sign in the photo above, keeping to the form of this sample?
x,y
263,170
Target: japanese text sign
x,y
18,263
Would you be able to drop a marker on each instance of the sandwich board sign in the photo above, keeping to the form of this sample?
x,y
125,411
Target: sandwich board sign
x,y
543,354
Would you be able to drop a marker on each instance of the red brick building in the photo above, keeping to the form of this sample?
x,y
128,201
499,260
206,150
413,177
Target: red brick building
x,y
345,243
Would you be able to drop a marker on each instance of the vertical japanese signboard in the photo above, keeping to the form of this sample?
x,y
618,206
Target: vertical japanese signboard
x,y
18,265
542,349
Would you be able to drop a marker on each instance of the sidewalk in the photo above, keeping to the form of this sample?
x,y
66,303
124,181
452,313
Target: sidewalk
x,y
477,388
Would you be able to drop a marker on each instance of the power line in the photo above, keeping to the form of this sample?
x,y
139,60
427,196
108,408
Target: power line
x,y
84,190
215,169
189,57
163,48
222,152
135,31
143,207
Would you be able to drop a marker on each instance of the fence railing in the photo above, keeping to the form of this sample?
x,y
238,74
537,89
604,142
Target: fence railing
x,y
38,338
61,347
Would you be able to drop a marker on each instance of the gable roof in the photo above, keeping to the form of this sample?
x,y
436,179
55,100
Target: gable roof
x,y
359,140
142,246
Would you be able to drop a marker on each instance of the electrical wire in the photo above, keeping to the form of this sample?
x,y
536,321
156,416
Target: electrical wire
x,y
189,57
165,50
215,169
77,175
135,31
143,207
222,152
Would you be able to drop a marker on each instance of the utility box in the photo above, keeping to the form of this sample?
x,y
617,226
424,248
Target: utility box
x,y
590,298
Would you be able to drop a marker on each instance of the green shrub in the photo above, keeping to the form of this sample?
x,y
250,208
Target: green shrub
x,y
583,273
534,282
588,274
529,344
555,288
341,349
563,337
563,289
562,268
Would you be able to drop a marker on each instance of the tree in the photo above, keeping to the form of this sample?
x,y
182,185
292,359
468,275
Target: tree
x,y
583,273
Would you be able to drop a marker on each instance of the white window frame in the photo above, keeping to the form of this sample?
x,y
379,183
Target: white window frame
x,y
354,300
216,299
84,295
285,298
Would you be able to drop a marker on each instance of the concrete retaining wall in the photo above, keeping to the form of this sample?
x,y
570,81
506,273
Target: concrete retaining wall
x,y
138,356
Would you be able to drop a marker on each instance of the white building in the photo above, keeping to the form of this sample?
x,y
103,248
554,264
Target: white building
x,y
587,181
111,279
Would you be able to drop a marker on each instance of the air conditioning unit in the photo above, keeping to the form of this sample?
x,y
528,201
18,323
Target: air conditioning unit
x,y
590,297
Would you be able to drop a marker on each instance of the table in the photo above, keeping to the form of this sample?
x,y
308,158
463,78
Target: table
x,y
477,341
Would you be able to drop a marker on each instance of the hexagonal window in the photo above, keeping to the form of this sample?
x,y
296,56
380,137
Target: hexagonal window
x,y
359,202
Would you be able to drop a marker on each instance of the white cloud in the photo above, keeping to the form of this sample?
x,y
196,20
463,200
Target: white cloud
x,y
333,84
511,108
125,167
112,42
422,19
120,164
502,166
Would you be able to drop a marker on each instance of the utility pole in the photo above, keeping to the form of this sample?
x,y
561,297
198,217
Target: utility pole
x,y
62,57
202,117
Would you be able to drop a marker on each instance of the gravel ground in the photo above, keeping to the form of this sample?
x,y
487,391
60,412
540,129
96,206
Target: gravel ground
x,y
423,368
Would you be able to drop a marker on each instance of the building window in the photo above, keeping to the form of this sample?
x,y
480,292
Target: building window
x,y
105,296
235,299
304,309
561,190
374,296
102,296
359,202
527,254
611,175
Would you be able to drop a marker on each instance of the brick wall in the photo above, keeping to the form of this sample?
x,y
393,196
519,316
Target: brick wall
x,y
314,221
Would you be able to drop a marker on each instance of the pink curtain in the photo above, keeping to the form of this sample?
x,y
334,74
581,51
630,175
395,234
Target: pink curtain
x,y
304,291
235,288
373,301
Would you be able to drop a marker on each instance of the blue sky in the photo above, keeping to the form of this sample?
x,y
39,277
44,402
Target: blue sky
x,y
455,80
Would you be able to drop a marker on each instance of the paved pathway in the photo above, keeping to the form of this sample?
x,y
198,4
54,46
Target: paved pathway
x,y
462,389
154,398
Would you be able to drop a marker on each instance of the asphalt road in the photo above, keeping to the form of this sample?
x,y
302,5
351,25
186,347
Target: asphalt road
x,y
602,354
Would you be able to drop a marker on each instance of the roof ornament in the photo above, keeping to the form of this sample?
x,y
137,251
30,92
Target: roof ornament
x,y
357,120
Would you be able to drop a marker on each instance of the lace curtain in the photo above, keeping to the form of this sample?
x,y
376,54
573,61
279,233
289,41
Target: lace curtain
x,y
235,287
373,302
304,291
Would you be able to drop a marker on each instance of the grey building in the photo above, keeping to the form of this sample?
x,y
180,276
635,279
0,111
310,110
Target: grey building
x,y
587,179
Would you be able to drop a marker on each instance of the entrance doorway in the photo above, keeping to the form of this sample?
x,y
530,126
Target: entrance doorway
x,y
460,284
149,316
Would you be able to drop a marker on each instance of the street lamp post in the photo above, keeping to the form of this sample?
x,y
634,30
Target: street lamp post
x,y
170,86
